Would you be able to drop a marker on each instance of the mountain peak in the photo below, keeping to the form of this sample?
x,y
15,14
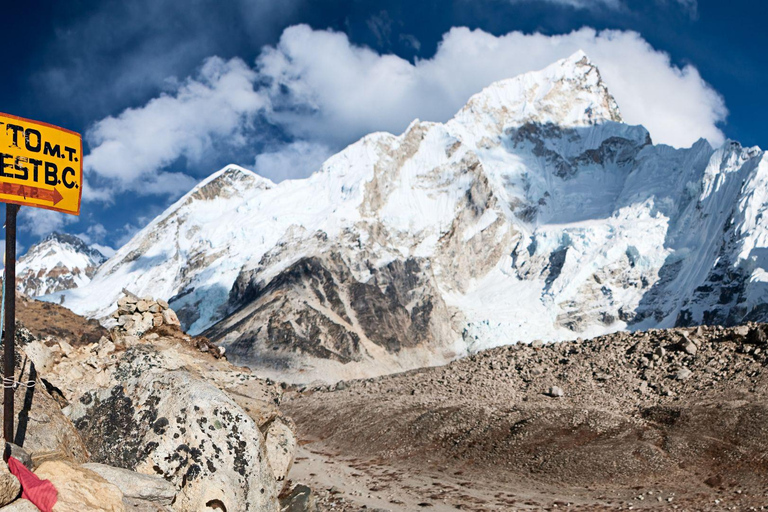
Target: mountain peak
x,y
58,262
227,181
568,93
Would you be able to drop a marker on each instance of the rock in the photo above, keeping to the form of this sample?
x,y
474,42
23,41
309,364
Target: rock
x,y
537,344
555,392
20,505
122,301
741,331
281,447
157,319
137,505
10,488
171,423
136,485
123,320
683,374
659,353
299,499
155,308
80,489
142,306
170,318
20,454
147,321
757,336
163,304
41,427
688,347
128,309
40,354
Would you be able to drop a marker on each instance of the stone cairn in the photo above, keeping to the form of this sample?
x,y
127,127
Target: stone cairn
x,y
137,315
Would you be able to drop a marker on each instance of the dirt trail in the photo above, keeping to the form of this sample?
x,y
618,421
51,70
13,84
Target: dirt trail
x,y
661,419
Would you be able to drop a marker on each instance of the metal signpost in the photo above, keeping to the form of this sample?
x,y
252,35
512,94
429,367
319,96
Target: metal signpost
x,y
41,165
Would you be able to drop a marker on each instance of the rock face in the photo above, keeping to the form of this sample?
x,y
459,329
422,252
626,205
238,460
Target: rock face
x,y
169,407
40,426
534,213
186,430
135,485
79,489
58,262
10,488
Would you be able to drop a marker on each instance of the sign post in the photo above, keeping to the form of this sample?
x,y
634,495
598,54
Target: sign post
x,y
40,166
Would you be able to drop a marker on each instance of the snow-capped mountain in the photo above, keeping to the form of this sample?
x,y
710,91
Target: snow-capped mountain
x,y
58,262
534,213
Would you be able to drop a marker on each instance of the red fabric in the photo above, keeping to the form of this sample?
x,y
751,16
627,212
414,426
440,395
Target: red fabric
x,y
41,493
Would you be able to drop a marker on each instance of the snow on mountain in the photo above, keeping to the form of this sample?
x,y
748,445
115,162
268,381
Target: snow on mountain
x,y
58,262
534,213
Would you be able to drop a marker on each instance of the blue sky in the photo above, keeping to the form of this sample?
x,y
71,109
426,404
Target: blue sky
x,y
166,92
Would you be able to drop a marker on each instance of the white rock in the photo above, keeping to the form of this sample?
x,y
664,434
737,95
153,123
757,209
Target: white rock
x,y
136,485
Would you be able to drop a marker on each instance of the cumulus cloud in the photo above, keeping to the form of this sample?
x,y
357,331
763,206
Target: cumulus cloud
x,y
106,250
130,149
322,92
39,222
319,80
295,160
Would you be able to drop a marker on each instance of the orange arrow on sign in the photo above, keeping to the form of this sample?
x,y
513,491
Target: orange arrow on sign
x,y
28,192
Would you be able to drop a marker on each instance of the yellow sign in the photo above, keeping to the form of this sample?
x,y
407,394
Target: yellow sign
x,y
41,165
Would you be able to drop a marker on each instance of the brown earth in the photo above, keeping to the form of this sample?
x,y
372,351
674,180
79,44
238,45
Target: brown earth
x,y
47,319
632,429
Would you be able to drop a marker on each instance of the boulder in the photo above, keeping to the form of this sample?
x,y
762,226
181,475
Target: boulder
x,y
142,306
555,392
80,489
136,485
163,304
299,499
688,347
189,431
10,488
20,505
281,447
40,426
170,318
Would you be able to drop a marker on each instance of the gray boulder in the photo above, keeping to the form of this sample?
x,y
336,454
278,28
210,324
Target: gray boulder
x,y
187,430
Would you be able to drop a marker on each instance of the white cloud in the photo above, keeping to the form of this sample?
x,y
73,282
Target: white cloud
x,y
40,222
95,233
106,250
295,160
338,91
325,92
130,149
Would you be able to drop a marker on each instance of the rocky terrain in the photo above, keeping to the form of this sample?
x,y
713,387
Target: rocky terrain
x,y
663,419
535,213
58,262
145,418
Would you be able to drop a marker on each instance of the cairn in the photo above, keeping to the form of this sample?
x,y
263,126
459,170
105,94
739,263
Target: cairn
x,y
137,315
